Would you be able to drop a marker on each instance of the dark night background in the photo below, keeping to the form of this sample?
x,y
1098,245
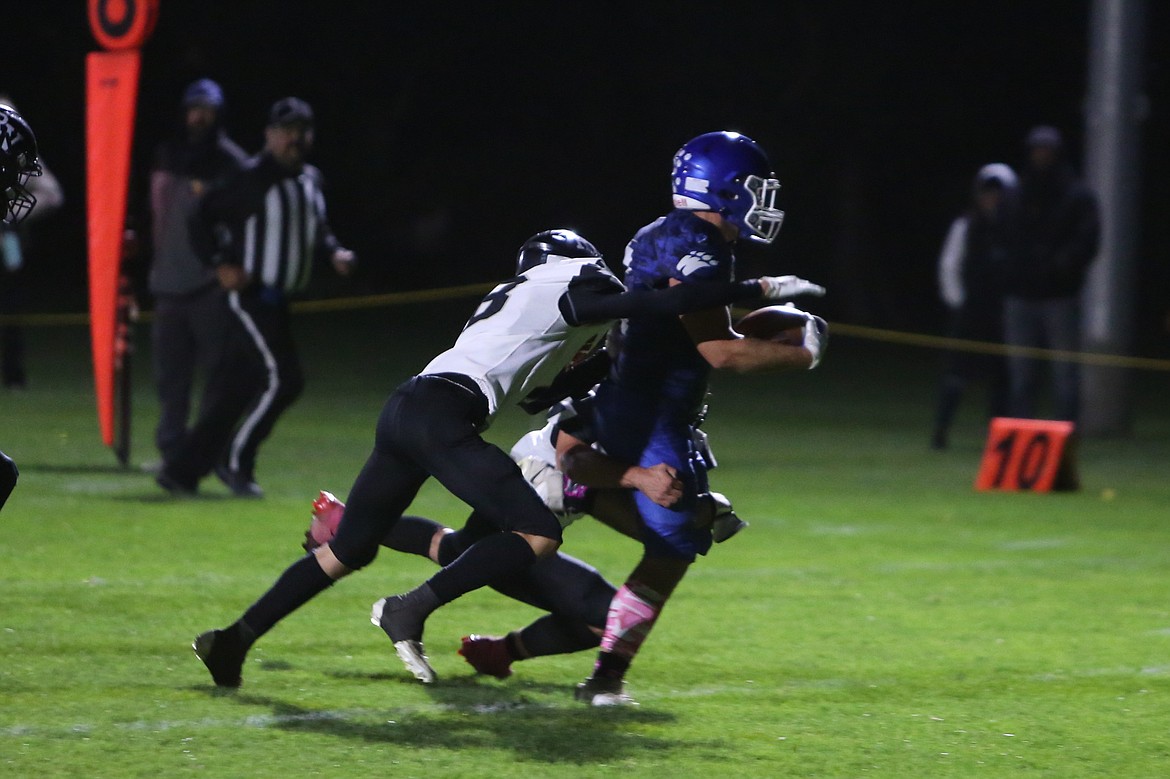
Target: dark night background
x,y
450,131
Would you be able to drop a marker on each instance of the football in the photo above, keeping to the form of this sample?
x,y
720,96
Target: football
x,y
782,324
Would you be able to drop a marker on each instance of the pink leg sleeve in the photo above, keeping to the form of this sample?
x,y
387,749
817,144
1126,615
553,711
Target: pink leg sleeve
x,y
632,614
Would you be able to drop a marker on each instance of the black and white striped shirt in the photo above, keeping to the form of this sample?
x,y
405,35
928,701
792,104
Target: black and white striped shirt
x,y
268,220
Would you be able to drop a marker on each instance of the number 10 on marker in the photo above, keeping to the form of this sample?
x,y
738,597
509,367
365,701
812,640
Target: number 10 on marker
x,y
1028,454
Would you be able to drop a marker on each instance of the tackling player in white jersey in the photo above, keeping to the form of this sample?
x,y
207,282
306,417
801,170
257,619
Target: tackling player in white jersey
x,y
521,336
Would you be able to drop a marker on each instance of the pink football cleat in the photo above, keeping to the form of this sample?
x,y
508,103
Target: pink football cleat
x,y
327,513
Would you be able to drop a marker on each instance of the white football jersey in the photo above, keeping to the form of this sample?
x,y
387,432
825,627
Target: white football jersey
x,y
517,340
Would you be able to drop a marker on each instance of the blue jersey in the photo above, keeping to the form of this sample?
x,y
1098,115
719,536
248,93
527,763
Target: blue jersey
x,y
646,407
657,358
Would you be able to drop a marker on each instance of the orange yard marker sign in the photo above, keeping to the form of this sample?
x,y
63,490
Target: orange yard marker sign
x,y
1028,454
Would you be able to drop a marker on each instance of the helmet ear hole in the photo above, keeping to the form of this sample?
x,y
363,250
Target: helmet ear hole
x,y
729,195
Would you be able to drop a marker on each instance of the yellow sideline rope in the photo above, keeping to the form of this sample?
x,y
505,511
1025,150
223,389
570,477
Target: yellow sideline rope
x,y
987,347
835,328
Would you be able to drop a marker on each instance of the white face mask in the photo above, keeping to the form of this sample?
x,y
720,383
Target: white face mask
x,y
763,218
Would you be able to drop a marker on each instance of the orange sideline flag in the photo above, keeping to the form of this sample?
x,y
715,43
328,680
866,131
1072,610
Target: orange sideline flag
x,y
111,93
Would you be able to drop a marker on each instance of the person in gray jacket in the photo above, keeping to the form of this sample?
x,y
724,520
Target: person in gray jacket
x,y
190,307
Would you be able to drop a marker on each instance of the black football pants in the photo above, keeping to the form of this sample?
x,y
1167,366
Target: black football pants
x,y
430,426
8,476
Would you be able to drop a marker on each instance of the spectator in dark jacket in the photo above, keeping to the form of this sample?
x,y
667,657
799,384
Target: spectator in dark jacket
x,y
190,307
1059,236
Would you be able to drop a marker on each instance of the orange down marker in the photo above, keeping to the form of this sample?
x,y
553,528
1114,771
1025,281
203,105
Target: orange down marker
x,y
111,91
1028,454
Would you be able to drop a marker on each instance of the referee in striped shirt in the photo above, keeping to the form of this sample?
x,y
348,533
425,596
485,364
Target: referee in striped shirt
x,y
263,231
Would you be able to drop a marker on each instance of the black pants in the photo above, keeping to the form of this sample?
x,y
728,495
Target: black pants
x,y
258,377
430,426
188,336
8,475
568,588
975,322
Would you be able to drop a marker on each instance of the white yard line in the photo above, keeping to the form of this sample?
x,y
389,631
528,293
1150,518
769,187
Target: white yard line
x,y
260,721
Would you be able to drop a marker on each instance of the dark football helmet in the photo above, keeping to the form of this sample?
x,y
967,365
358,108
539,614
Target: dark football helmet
x,y
729,174
18,161
553,243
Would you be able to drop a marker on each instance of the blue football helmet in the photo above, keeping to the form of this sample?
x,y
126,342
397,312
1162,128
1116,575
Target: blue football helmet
x,y
729,174
18,161
553,243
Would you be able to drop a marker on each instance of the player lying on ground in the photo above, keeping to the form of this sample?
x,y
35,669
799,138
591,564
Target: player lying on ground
x,y
574,593
524,332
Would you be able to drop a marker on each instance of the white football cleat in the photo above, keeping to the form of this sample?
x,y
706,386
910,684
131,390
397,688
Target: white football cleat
x,y
412,656
410,651
603,692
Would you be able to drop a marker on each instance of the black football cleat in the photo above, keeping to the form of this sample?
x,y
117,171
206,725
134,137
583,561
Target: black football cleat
x,y
223,654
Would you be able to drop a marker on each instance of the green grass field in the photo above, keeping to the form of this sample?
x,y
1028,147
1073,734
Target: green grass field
x,y
879,617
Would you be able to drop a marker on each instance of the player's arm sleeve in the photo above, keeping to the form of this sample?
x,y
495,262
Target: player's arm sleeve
x,y
573,381
591,301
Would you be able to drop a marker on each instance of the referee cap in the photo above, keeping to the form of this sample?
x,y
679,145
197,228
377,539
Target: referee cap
x,y
290,110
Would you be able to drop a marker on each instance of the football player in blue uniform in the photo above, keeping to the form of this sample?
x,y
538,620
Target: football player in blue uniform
x,y
18,162
723,191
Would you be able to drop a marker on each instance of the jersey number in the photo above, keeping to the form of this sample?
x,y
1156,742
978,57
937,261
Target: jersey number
x,y
494,301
